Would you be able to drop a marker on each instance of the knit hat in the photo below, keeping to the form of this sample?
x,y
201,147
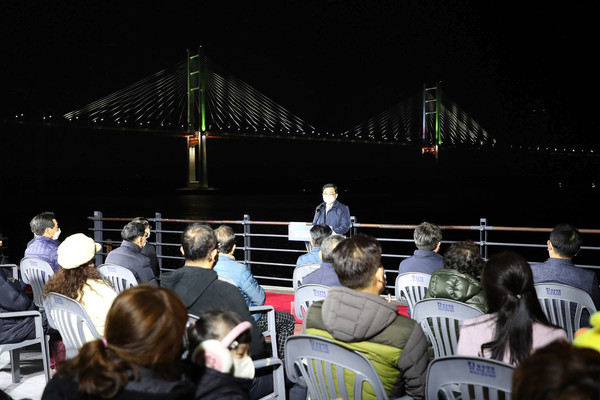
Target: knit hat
x,y
76,250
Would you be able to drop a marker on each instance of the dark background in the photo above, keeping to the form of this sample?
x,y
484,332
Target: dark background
x,y
522,71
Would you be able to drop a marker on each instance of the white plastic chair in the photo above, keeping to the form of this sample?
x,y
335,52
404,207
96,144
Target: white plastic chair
x,y
330,370
300,272
36,272
119,277
564,305
71,321
468,378
15,348
441,320
305,295
413,287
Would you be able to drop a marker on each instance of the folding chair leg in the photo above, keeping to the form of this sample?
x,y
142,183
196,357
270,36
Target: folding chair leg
x,y
15,365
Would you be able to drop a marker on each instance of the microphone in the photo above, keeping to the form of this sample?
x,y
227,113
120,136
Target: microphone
x,y
320,206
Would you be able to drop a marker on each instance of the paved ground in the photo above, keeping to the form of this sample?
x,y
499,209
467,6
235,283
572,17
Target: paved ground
x,y
32,383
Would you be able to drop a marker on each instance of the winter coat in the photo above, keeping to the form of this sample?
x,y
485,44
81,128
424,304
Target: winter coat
x,y
149,387
253,293
395,344
44,248
448,283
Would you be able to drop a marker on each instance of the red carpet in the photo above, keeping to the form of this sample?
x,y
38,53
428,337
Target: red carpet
x,y
283,302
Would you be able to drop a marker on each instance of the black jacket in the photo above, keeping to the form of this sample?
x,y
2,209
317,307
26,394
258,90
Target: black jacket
x,y
200,289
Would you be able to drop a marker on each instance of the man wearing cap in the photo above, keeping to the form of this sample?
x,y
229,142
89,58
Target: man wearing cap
x,y
129,254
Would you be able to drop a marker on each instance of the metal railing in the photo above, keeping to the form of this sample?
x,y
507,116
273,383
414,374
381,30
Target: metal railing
x,y
272,256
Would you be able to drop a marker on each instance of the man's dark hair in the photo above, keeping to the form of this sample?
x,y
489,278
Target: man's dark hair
x,y
355,260
464,257
329,185
328,245
226,237
318,233
198,240
40,222
566,240
133,230
143,221
427,236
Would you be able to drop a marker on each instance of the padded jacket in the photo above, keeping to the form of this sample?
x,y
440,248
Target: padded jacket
x,y
448,283
395,344
44,248
253,293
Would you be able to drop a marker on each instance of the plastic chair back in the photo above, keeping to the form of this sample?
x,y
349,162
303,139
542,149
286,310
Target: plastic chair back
x,y
441,320
119,277
413,287
36,272
15,348
305,295
330,370
71,321
564,305
300,272
468,378
227,279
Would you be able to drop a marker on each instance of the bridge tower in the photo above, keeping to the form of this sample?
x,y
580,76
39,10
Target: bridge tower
x,y
196,118
432,137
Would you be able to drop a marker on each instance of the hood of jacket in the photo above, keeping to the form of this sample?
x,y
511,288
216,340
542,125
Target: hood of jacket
x,y
352,316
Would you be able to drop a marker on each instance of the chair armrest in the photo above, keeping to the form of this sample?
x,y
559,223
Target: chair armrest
x,y
39,327
14,268
267,362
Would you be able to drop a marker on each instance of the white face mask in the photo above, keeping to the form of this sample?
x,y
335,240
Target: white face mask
x,y
56,234
243,368
328,199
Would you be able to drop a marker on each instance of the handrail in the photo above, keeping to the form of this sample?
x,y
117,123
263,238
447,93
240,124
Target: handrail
x,y
272,256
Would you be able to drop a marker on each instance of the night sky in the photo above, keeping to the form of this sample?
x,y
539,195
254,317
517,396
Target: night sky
x,y
515,69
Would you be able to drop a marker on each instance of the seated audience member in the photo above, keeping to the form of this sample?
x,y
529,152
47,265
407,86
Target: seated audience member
x,y
558,371
357,317
516,325
219,342
325,274
458,279
80,280
45,239
253,293
563,245
13,330
149,250
317,234
129,254
199,287
428,239
136,358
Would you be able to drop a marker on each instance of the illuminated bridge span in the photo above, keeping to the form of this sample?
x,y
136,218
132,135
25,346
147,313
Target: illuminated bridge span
x,y
196,96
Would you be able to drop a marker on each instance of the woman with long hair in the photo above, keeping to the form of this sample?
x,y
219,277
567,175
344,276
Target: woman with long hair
x,y
137,357
515,325
80,280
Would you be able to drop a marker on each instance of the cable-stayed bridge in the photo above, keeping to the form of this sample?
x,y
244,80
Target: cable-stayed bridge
x,y
196,97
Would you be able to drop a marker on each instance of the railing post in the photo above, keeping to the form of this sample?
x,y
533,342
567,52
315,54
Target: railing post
x,y
98,234
353,229
158,233
247,252
483,233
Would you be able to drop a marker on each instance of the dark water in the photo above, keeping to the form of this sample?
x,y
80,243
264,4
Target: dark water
x,y
123,174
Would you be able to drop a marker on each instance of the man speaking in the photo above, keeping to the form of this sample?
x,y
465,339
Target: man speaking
x,y
331,212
